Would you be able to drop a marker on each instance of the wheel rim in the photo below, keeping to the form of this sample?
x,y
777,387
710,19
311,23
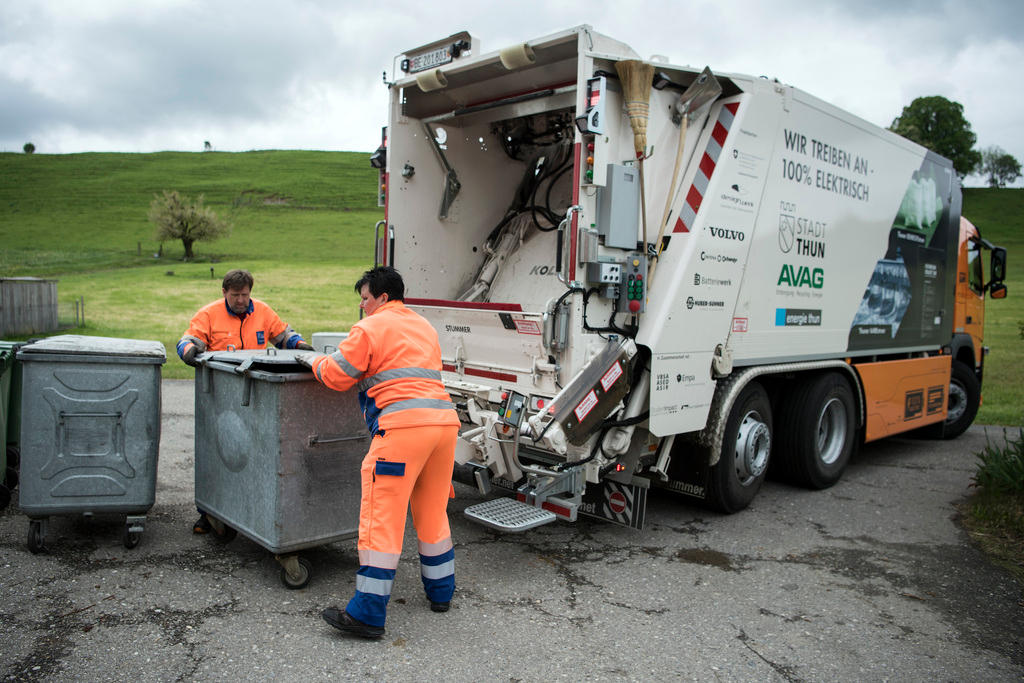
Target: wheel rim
x,y
957,402
753,444
831,436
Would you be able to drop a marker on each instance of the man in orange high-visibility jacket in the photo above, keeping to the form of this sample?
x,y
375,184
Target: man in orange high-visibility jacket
x,y
237,321
394,358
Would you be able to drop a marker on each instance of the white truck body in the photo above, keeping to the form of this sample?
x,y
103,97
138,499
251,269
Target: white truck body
x,y
797,240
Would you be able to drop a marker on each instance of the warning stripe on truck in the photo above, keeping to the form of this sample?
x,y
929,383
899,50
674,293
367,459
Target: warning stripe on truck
x,y
708,161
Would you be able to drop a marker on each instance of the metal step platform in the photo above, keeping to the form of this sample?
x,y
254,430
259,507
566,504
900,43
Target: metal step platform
x,y
508,514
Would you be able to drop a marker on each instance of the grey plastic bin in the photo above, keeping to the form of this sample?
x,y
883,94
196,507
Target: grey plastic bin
x,y
277,455
90,430
327,342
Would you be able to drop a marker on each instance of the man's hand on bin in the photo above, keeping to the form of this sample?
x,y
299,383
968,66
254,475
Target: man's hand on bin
x,y
304,346
190,356
306,359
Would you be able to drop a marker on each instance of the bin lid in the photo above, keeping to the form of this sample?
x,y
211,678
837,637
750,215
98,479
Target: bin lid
x,y
270,363
270,358
76,344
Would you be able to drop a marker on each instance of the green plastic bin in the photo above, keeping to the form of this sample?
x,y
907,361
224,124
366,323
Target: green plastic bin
x,y
10,419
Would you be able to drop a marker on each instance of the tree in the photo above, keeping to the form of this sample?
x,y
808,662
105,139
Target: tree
x,y
176,217
29,148
939,125
1000,167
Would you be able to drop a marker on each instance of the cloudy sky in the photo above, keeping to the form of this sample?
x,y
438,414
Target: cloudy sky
x,y
148,75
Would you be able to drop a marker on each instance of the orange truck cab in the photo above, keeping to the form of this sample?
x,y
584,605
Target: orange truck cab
x,y
966,346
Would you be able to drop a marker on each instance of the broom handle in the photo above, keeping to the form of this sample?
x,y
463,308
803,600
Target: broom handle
x,y
672,185
668,202
643,205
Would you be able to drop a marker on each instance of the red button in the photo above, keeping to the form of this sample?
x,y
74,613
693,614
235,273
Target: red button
x,y
634,306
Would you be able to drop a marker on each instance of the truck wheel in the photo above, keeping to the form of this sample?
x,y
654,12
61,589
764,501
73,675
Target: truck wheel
x,y
964,398
746,446
817,431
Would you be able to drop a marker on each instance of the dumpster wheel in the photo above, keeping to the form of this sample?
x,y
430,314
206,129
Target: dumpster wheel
x,y
132,534
130,538
295,571
35,536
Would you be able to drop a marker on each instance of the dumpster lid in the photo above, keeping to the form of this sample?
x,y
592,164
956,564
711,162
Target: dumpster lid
x,y
95,346
268,358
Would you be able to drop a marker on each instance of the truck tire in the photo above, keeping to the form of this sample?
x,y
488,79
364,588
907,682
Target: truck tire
x,y
817,431
964,399
746,449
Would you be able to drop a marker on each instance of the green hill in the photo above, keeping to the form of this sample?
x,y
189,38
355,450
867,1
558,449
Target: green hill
x,y
303,224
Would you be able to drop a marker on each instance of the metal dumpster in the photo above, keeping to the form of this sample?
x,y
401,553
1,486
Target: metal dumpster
x,y
277,455
10,419
90,430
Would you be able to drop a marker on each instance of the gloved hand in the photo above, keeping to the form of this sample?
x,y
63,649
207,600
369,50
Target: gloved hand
x,y
306,359
304,346
190,356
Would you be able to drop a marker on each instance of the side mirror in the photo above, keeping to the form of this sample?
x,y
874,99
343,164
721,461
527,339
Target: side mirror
x,y
997,270
997,291
379,158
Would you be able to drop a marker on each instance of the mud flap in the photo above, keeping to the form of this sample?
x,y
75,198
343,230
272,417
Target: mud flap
x,y
622,504
687,475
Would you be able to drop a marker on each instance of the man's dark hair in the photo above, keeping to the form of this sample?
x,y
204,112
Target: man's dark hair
x,y
383,280
237,279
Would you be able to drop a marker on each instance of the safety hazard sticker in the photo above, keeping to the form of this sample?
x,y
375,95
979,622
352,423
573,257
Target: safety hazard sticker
x,y
614,372
527,326
586,405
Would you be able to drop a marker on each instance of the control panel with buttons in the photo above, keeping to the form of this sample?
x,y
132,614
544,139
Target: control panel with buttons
x,y
633,287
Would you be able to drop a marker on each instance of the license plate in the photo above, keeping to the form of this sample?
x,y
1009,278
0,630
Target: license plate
x,y
429,60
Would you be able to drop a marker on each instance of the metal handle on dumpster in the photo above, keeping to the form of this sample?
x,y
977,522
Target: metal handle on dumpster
x,y
207,378
243,369
316,439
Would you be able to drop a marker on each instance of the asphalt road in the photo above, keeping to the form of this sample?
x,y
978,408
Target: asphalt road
x,y
870,580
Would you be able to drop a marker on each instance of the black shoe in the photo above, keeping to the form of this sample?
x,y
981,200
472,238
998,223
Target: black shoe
x,y
439,606
345,622
202,525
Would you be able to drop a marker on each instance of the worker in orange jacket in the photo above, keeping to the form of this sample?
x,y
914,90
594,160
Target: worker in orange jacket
x,y
235,322
393,357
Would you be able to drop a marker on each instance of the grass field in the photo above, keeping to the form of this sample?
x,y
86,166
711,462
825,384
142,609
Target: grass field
x,y
303,224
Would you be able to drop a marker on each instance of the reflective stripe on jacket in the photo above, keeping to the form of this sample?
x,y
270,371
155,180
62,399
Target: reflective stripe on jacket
x,y
215,327
394,358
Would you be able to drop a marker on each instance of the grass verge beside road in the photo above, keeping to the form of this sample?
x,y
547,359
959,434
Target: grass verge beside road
x,y
994,515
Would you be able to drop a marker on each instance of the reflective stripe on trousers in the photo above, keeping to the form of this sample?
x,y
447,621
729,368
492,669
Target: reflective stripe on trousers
x,y
406,468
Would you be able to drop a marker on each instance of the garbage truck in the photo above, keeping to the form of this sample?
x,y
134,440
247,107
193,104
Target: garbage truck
x,y
650,275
